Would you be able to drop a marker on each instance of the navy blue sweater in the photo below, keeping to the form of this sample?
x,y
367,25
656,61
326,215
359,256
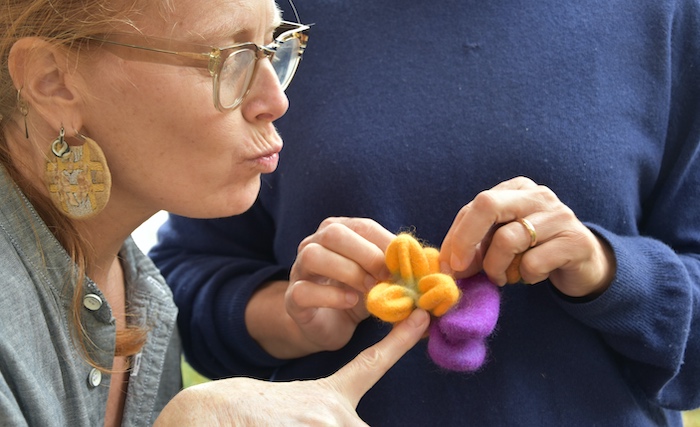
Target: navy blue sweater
x,y
403,111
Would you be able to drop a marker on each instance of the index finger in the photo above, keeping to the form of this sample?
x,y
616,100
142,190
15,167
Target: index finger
x,y
501,204
359,241
359,375
368,228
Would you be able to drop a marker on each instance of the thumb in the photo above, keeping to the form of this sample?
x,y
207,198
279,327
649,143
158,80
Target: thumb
x,y
360,374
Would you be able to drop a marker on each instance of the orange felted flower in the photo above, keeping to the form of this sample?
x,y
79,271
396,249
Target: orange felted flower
x,y
417,282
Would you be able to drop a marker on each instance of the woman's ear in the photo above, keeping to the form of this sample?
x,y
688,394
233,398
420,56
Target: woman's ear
x,y
47,79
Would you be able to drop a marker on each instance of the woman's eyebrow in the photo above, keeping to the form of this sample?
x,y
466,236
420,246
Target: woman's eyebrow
x,y
224,32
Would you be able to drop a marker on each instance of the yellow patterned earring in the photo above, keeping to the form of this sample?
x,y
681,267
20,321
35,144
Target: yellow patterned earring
x,y
77,177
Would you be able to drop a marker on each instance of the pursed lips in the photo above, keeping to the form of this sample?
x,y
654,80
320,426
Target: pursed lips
x,y
267,145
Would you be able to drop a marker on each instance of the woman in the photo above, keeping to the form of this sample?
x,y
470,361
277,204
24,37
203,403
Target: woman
x,y
416,109
107,117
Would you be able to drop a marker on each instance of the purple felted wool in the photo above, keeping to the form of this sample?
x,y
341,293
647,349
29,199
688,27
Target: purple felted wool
x,y
457,340
462,356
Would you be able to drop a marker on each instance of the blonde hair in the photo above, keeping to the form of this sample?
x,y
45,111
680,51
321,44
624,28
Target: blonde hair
x,y
63,22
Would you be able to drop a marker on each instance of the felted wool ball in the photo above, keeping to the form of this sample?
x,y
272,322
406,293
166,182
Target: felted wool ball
x,y
457,340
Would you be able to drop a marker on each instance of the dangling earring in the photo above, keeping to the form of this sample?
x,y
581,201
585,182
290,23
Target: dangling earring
x,y
78,179
24,110
59,146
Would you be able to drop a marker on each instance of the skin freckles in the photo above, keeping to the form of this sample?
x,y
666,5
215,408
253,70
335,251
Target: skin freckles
x,y
194,151
170,145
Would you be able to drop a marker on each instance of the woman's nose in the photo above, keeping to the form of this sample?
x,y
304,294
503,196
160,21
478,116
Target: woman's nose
x,y
265,99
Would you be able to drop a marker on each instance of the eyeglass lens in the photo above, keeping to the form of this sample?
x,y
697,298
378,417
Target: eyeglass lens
x,y
237,70
286,60
235,77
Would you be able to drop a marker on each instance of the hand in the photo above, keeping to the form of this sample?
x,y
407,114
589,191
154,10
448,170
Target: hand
x,y
486,235
334,268
328,401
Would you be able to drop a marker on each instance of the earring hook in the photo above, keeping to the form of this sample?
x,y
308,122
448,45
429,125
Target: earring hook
x,y
59,146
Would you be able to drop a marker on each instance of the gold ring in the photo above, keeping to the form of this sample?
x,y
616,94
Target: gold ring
x,y
530,229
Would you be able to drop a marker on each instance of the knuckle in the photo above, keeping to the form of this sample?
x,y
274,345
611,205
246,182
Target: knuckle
x,y
293,294
329,222
304,243
364,227
523,181
371,359
309,253
296,300
568,214
332,231
508,236
547,195
484,202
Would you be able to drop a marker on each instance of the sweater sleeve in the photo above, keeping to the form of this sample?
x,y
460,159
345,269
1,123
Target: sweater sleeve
x,y
213,267
650,314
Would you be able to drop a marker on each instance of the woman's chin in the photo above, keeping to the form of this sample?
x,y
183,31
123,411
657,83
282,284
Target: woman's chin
x,y
223,204
239,201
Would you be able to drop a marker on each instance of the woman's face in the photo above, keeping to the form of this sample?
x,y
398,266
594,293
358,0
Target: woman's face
x,y
166,144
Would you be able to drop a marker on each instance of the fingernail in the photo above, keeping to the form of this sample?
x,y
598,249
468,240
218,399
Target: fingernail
x,y
351,298
456,263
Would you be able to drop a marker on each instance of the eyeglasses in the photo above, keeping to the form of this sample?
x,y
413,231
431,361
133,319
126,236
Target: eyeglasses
x,y
231,67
